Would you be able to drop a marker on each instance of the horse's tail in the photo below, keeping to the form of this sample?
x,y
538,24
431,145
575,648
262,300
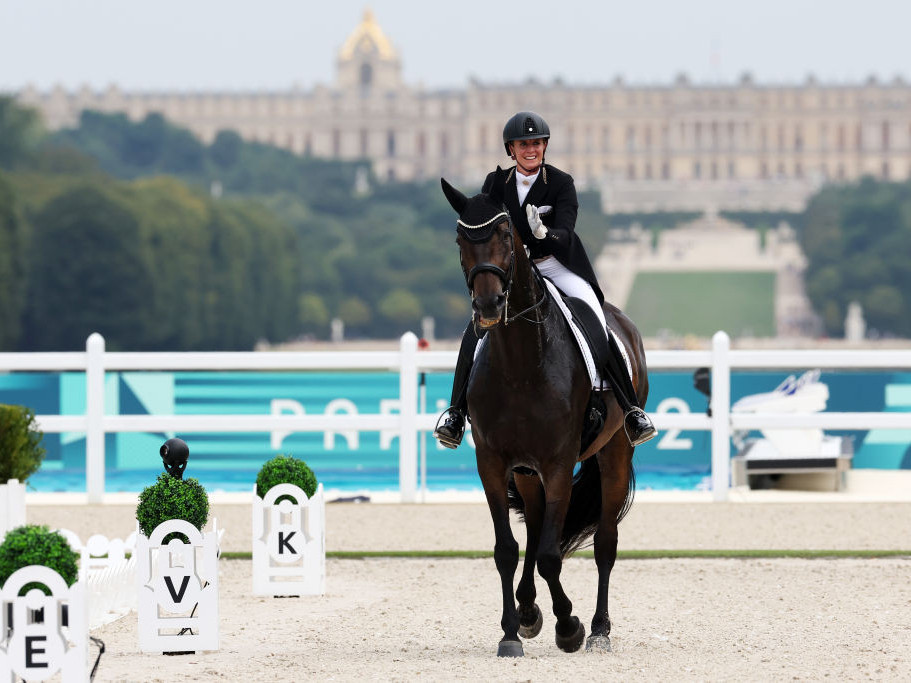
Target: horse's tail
x,y
584,511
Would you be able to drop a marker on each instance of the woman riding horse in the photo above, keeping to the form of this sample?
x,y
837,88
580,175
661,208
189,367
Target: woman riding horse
x,y
542,203
528,391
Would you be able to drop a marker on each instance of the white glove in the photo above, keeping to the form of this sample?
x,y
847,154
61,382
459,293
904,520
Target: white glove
x,y
534,221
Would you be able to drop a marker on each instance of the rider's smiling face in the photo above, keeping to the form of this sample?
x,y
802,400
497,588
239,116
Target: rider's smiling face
x,y
529,154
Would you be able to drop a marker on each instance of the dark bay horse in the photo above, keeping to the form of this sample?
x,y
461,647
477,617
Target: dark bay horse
x,y
527,395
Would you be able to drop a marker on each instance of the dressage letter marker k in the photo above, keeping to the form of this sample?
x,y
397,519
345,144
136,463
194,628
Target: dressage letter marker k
x,y
284,542
176,598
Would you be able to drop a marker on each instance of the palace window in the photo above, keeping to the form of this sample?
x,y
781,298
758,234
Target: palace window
x,y
697,169
885,138
798,170
885,170
648,171
631,172
605,139
732,170
390,144
421,144
841,137
336,143
781,137
444,145
482,137
763,170
630,137
364,140
665,171
859,137
714,168
366,75
798,139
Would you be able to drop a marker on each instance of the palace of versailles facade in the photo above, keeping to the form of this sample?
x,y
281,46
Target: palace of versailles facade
x,y
680,146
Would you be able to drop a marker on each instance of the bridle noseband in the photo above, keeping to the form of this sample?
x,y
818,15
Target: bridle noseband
x,y
505,276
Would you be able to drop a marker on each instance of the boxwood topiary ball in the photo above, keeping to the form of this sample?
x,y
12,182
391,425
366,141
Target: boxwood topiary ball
x,y
36,544
285,469
172,498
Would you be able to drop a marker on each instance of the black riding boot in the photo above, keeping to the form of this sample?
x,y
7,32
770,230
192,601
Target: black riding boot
x,y
638,426
452,429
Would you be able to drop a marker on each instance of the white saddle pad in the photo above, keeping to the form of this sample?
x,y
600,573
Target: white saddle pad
x,y
593,374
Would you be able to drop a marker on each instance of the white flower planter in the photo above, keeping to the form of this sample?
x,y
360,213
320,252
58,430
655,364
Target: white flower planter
x,y
38,650
289,542
178,589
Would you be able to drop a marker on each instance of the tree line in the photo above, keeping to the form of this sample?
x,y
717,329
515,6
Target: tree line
x,y
141,231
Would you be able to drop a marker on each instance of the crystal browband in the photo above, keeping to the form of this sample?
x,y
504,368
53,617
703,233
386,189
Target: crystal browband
x,y
500,215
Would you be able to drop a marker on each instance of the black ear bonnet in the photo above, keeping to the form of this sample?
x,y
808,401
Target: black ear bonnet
x,y
479,215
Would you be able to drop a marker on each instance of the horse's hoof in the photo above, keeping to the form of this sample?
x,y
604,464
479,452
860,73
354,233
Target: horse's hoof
x,y
510,648
598,644
537,619
572,642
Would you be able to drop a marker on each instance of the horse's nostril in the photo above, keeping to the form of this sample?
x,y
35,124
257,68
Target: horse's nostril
x,y
501,299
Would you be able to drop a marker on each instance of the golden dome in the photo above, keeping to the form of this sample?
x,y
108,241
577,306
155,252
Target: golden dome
x,y
367,31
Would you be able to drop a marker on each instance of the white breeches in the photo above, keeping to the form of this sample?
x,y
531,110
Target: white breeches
x,y
571,284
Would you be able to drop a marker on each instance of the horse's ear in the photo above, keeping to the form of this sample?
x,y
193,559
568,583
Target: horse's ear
x,y
496,188
456,199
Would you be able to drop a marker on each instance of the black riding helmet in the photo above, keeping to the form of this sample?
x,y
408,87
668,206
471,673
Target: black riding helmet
x,y
526,125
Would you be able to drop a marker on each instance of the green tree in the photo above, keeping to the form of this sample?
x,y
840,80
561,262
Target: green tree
x,y
90,273
401,307
313,315
20,133
354,312
12,268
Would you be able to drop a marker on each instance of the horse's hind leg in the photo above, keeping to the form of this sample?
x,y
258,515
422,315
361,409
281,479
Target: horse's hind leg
x,y
569,631
532,492
506,557
615,462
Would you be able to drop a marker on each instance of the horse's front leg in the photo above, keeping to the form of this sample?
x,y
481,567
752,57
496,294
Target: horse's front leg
x,y
506,557
557,489
532,492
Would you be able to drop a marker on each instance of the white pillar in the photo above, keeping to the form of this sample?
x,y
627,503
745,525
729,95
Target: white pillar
x,y
94,415
721,416
408,416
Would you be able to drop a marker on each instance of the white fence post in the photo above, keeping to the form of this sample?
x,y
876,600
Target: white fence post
x,y
721,416
408,416
94,415
12,506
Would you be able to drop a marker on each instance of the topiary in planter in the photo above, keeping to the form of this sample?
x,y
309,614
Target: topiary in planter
x,y
20,443
36,544
285,469
172,498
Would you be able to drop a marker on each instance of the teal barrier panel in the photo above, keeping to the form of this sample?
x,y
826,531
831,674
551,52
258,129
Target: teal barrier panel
x,y
369,460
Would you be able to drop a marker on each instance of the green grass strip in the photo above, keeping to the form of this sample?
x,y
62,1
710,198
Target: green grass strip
x,y
622,555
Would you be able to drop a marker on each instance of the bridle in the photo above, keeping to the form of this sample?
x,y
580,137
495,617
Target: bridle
x,y
505,276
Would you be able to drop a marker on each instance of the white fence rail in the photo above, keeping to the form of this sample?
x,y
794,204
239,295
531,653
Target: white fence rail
x,y
408,362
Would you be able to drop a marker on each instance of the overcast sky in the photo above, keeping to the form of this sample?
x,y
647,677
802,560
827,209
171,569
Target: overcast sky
x,y
275,44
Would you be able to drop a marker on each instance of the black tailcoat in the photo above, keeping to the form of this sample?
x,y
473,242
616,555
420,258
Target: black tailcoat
x,y
553,188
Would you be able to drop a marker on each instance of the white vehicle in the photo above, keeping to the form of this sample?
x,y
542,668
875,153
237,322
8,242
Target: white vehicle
x,y
759,461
